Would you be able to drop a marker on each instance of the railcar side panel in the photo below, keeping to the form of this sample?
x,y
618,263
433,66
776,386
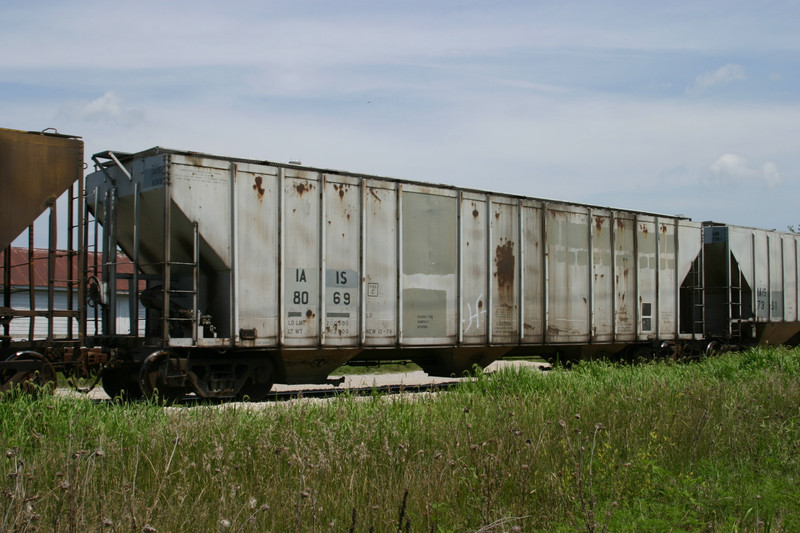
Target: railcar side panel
x,y
380,264
775,273
647,278
504,252
787,274
567,274
761,262
602,280
666,271
624,278
533,268
301,258
200,190
257,208
474,284
342,260
429,265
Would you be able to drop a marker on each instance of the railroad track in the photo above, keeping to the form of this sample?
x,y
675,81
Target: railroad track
x,y
354,385
287,395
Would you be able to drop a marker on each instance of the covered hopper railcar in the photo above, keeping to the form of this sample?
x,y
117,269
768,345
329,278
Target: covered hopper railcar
x,y
257,271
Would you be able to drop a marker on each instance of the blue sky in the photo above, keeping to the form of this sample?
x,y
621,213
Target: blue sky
x,y
686,107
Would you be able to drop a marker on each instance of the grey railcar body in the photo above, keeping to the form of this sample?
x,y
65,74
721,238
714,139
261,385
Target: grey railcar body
x,y
752,285
311,268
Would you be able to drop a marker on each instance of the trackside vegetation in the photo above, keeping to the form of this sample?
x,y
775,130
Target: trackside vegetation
x,y
711,445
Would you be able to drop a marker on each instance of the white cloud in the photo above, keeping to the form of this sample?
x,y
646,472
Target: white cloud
x,y
722,76
108,109
732,167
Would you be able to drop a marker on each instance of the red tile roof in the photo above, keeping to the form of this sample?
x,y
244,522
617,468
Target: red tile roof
x,y
19,267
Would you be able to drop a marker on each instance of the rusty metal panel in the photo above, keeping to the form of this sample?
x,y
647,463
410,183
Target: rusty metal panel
x,y
429,265
474,268
568,310
602,280
200,189
257,205
35,169
533,272
624,278
504,249
776,287
302,253
761,261
380,263
342,257
789,274
647,277
667,303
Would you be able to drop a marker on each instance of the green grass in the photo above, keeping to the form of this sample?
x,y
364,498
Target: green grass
x,y
707,446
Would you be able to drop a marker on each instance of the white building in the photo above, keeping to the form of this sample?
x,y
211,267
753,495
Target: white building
x,y
20,296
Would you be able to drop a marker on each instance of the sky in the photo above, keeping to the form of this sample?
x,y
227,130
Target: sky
x,y
680,107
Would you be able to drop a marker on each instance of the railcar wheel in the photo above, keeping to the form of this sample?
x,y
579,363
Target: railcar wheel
x,y
116,386
713,348
157,378
38,377
258,386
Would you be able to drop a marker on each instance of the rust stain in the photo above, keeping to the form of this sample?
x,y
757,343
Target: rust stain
x,y
341,193
257,186
480,304
497,215
643,229
598,223
620,224
310,314
475,213
373,193
663,229
504,260
553,331
303,187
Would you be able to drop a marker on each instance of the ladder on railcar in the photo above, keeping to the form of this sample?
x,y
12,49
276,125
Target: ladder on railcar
x,y
698,296
176,314
735,287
